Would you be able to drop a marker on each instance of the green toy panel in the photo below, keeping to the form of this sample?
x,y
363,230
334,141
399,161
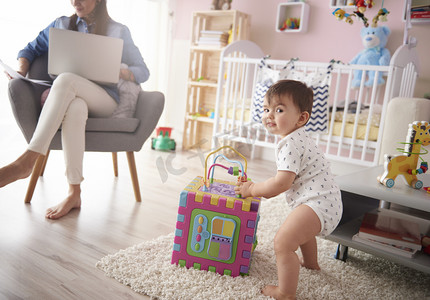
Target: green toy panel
x,y
213,236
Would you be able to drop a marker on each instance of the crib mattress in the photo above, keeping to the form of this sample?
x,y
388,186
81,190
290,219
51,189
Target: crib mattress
x,y
238,114
337,127
361,131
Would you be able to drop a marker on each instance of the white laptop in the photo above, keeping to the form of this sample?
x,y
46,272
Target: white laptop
x,y
95,57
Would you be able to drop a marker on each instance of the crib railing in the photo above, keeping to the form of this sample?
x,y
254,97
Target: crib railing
x,y
356,115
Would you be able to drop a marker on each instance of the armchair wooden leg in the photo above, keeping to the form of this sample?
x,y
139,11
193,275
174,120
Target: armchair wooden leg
x,y
115,163
37,171
133,173
44,163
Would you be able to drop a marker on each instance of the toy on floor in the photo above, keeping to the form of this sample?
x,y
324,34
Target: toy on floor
x,y
406,163
216,229
163,140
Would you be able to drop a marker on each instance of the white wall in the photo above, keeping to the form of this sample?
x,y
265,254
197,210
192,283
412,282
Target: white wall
x,y
325,39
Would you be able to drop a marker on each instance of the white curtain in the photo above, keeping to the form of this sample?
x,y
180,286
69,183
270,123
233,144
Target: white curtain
x,y
150,24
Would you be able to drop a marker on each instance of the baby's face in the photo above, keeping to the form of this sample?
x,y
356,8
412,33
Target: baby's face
x,y
281,116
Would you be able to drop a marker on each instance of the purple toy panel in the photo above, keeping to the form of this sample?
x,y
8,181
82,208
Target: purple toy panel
x,y
222,189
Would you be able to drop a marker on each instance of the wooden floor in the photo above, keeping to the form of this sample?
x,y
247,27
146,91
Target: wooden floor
x,y
45,259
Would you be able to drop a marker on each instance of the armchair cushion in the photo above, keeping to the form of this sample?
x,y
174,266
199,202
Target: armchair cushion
x,y
128,94
112,124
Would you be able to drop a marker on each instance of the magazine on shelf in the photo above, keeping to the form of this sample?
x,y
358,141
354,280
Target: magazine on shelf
x,y
211,37
391,248
390,229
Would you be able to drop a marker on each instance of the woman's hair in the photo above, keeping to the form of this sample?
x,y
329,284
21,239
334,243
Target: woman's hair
x,y
301,95
101,18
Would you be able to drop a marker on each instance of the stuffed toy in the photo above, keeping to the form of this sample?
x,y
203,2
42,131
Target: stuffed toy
x,y
374,40
221,4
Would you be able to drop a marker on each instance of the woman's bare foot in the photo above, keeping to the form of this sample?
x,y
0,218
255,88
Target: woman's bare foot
x,y
19,169
274,292
72,201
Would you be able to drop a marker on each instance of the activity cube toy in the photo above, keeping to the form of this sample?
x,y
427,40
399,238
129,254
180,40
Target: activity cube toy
x,y
216,229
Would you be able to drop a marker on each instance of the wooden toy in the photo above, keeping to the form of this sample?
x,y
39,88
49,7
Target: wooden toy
x,y
406,163
216,229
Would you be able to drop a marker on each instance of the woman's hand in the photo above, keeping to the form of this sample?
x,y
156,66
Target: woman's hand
x,y
126,74
8,75
23,67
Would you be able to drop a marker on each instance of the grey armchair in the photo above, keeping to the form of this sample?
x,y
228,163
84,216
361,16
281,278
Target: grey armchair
x,y
102,134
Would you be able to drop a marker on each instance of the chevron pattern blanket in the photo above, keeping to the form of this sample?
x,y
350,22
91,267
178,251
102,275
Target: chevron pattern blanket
x,y
318,81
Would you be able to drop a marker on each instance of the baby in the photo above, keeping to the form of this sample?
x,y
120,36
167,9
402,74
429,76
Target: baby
x,y
304,175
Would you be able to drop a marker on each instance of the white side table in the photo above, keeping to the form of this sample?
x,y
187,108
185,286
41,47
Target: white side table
x,y
361,193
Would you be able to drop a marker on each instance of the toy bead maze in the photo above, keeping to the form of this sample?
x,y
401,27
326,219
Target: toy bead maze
x,y
216,229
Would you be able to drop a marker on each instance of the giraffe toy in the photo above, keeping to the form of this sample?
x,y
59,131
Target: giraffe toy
x,y
406,164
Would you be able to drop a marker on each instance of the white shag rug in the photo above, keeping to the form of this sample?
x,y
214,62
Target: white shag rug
x,y
146,269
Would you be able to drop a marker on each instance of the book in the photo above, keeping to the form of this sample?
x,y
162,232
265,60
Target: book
x,y
14,74
390,229
419,3
391,248
420,14
213,38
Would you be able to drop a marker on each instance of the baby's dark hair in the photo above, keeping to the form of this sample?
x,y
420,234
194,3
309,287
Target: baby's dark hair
x,y
301,95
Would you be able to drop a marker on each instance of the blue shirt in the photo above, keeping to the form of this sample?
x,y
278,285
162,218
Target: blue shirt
x,y
130,55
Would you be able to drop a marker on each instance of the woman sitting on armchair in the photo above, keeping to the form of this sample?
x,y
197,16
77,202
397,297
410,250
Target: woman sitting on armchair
x,y
72,99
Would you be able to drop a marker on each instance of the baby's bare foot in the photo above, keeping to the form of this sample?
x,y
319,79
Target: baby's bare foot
x,y
309,265
64,207
274,292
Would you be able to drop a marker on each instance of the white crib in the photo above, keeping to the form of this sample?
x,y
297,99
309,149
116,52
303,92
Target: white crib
x,y
352,135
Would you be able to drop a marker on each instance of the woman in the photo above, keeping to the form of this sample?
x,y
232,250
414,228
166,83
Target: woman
x,y
72,98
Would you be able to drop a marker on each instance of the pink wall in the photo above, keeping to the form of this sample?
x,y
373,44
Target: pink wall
x,y
326,37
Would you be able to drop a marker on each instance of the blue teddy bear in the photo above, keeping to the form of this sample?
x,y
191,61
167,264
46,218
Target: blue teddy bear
x,y
374,40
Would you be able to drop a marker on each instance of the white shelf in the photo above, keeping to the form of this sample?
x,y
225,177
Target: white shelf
x,y
203,84
191,117
361,192
204,64
343,4
299,10
415,20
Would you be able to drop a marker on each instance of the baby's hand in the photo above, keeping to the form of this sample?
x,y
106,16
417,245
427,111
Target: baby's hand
x,y
243,189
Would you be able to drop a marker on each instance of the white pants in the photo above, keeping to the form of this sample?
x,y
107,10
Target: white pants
x,y
71,100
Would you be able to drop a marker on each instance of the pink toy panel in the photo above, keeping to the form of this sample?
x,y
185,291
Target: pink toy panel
x,y
215,230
